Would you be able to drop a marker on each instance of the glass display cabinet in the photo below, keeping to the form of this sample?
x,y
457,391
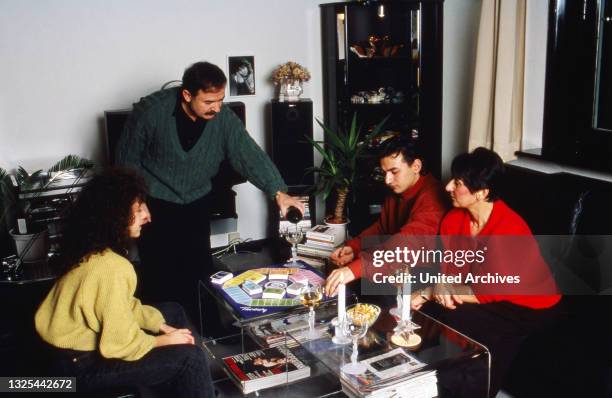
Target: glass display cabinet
x,y
384,58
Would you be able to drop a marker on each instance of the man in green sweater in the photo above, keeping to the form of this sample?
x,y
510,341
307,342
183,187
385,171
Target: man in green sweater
x,y
177,138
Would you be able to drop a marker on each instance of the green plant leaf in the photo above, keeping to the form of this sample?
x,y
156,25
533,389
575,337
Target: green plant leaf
x,y
373,134
319,170
328,187
334,139
341,151
71,162
25,179
21,175
319,148
353,132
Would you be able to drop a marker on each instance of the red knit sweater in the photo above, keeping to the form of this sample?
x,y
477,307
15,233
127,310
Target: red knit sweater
x,y
511,251
416,211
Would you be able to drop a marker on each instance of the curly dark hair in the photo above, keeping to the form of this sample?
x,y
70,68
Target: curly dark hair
x,y
480,169
99,218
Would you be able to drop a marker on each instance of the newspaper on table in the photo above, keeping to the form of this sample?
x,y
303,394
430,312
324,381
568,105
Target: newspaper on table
x,y
387,376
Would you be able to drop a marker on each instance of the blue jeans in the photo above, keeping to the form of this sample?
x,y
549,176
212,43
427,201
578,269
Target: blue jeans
x,y
175,370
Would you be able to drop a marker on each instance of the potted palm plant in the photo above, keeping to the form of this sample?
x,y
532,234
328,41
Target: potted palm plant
x,y
33,244
341,151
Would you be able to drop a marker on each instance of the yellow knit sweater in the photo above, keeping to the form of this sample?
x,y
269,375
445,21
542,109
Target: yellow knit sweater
x,y
93,307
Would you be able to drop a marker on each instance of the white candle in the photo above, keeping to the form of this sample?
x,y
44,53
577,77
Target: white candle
x,y
341,302
398,300
406,302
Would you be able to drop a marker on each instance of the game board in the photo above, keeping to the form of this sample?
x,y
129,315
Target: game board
x,y
249,306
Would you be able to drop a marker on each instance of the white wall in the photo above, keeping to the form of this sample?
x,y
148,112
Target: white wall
x,y
66,61
461,19
535,73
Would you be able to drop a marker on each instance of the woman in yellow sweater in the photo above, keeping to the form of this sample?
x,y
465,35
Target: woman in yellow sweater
x,y
98,331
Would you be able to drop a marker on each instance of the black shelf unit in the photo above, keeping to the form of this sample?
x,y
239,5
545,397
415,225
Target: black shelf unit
x,y
406,57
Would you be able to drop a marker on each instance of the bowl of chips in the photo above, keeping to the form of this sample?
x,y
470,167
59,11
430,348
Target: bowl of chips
x,y
363,312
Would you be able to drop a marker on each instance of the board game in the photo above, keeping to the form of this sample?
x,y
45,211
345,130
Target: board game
x,y
273,281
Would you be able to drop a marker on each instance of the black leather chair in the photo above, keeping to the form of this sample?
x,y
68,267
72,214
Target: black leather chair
x,y
571,356
589,252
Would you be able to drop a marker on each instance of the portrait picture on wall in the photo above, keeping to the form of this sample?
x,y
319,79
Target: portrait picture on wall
x,y
241,75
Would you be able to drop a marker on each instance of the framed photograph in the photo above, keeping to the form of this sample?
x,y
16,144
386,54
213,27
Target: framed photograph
x,y
241,75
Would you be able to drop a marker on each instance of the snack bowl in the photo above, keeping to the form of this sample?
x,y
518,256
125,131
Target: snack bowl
x,y
365,311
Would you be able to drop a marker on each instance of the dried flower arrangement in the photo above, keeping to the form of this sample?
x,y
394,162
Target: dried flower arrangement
x,y
290,71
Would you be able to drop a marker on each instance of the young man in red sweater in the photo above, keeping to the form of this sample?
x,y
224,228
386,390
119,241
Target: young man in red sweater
x,y
415,206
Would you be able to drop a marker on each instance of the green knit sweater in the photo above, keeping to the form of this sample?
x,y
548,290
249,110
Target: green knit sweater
x,y
150,143
93,307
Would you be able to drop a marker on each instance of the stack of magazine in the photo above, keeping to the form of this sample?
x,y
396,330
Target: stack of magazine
x,y
266,368
386,376
273,332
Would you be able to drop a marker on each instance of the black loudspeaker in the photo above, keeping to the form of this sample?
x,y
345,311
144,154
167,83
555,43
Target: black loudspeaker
x,y
292,154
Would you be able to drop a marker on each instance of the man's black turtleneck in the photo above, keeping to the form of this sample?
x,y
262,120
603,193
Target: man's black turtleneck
x,y
189,131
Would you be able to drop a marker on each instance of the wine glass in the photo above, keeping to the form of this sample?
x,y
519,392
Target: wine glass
x,y
355,326
293,235
311,296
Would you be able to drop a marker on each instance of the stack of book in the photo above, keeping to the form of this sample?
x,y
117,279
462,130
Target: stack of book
x,y
386,377
320,242
266,368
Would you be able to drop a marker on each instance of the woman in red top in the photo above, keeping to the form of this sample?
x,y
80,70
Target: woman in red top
x,y
504,291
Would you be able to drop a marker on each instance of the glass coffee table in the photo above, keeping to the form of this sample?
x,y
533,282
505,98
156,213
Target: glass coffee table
x,y
443,353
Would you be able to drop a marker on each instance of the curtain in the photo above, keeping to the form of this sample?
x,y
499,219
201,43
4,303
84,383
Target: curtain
x,y
497,103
